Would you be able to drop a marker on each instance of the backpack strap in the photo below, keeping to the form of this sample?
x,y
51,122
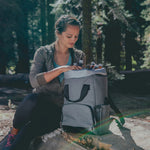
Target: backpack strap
x,y
83,93
114,107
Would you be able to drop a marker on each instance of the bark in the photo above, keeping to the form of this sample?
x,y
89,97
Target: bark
x,y
8,12
43,21
113,44
128,49
22,65
51,22
23,48
2,68
99,43
86,29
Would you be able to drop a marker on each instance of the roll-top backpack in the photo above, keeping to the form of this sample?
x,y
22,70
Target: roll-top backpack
x,y
86,102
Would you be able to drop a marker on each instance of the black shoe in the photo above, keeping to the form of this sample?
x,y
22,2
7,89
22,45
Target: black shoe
x,y
4,141
9,141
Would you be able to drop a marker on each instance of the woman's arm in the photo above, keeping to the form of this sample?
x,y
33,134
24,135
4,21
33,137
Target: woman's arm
x,y
50,75
38,76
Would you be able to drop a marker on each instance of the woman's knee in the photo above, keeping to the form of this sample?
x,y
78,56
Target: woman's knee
x,y
24,110
29,101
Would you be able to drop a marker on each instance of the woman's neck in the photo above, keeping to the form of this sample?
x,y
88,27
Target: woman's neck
x,y
61,55
60,48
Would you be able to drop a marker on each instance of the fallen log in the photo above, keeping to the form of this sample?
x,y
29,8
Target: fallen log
x,y
137,74
15,80
138,80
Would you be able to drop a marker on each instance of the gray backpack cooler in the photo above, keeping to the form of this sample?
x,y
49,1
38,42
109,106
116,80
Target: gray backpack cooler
x,y
85,98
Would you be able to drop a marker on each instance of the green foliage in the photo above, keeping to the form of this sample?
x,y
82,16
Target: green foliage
x,y
113,74
129,14
132,15
67,7
146,59
113,10
58,7
8,17
146,40
11,13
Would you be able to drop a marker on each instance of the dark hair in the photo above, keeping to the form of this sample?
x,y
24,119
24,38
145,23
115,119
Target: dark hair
x,y
63,21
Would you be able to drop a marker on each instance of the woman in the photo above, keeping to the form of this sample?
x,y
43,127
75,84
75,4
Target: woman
x,y
40,112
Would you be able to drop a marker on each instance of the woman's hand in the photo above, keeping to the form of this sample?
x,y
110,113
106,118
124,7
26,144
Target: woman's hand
x,y
67,68
50,75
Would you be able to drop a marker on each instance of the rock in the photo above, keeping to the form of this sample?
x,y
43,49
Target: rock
x,y
59,140
54,141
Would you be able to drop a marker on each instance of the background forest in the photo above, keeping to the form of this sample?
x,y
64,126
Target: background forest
x,y
114,32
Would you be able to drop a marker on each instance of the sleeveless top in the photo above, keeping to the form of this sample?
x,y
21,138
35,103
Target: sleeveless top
x,y
61,76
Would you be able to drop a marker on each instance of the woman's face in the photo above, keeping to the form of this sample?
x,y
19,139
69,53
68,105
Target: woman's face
x,y
69,37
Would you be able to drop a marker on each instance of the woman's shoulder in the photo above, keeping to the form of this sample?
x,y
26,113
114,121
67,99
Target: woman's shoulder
x,y
45,50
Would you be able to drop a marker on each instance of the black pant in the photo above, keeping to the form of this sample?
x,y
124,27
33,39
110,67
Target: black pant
x,y
35,116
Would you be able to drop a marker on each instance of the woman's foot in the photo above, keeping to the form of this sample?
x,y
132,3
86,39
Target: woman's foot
x,y
10,139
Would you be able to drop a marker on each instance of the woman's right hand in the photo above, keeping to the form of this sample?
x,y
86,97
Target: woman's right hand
x,y
50,75
67,68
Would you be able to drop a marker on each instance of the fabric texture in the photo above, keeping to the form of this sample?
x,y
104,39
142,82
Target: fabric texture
x,y
36,115
85,100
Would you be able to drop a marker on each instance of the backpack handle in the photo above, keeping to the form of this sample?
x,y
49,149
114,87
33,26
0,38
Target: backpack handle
x,y
84,92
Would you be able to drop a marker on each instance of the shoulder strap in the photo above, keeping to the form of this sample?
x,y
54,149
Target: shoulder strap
x,y
114,107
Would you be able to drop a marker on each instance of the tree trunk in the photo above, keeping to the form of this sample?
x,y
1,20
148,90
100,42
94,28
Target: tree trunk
x,y
128,49
86,29
113,44
2,68
8,12
43,21
108,36
99,43
3,57
116,45
22,41
51,22
78,44
6,48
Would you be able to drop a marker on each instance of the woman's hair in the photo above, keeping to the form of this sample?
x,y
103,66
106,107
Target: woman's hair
x,y
63,21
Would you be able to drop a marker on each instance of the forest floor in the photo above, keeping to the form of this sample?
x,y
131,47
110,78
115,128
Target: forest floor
x,y
8,96
134,106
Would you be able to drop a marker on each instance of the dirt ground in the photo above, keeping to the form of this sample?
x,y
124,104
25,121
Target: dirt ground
x,y
134,106
9,100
